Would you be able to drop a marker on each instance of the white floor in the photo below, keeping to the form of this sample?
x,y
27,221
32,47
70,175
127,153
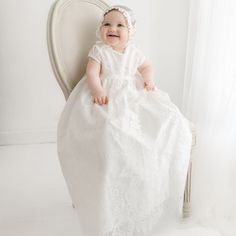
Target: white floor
x,y
34,200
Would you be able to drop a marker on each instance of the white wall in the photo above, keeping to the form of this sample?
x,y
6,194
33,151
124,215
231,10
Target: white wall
x,y
30,99
168,35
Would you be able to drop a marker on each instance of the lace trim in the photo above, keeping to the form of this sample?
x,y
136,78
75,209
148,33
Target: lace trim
x,y
139,227
131,216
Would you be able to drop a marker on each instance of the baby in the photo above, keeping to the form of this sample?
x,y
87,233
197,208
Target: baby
x,y
125,161
115,31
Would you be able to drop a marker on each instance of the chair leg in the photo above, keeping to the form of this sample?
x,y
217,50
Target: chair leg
x,y
188,185
187,193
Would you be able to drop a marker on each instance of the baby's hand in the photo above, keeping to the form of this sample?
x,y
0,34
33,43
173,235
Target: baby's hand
x,y
149,85
100,97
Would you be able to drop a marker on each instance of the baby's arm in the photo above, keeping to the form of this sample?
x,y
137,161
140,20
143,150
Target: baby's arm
x,y
146,72
94,82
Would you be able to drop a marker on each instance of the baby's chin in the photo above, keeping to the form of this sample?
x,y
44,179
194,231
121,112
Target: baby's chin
x,y
113,43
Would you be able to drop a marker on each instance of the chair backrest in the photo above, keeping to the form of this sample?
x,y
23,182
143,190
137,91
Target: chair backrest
x,y
70,34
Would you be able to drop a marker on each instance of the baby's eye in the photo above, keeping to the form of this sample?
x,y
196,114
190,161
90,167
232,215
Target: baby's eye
x,y
120,25
106,24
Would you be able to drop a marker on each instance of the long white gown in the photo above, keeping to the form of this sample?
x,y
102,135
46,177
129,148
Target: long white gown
x,y
123,162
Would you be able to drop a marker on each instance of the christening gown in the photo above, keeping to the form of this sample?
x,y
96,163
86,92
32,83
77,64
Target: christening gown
x,y
123,162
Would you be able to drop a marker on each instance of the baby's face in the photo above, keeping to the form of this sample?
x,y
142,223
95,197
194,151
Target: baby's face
x,y
114,30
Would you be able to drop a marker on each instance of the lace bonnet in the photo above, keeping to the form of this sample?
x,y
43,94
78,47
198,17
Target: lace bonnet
x,y
127,13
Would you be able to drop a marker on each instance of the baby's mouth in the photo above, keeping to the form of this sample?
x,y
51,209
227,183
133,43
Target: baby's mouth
x,y
113,35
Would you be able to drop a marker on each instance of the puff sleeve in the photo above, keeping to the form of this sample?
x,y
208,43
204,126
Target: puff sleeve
x,y
95,53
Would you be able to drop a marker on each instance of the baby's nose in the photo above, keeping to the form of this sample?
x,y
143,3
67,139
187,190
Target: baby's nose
x,y
112,28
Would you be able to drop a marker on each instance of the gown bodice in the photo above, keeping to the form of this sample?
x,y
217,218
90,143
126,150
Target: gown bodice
x,y
116,64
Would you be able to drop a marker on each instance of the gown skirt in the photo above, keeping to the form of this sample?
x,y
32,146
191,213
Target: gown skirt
x,y
126,161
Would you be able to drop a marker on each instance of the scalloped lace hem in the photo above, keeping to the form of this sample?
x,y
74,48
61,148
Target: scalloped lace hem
x,y
137,227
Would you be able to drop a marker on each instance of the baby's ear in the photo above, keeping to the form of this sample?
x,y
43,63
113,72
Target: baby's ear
x,y
131,34
98,32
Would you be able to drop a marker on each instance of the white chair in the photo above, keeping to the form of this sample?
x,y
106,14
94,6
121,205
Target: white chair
x,y
70,35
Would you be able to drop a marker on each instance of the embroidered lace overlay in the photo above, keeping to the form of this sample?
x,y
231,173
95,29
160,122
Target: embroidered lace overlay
x,y
123,161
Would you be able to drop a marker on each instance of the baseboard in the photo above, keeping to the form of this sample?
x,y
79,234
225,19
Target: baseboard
x,y
27,137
